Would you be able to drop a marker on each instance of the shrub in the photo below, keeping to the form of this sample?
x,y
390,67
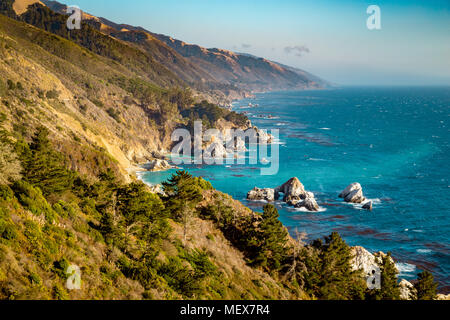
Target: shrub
x,y
425,286
32,199
10,166
11,85
52,94
7,231
6,193
113,114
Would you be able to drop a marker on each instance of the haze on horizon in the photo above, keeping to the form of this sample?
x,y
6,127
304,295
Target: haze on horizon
x,y
327,38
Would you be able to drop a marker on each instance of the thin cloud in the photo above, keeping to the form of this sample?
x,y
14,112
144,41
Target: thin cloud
x,y
299,51
246,46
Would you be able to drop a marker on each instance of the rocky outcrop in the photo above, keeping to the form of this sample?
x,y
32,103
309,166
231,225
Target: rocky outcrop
x,y
309,203
293,191
294,194
260,136
407,290
443,297
364,260
158,165
368,205
216,150
258,194
158,189
353,193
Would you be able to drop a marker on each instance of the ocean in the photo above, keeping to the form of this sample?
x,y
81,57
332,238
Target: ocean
x,y
394,141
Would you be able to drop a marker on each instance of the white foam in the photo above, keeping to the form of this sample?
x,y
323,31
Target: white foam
x,y
405,268
324,128
374,201
423,250
303,209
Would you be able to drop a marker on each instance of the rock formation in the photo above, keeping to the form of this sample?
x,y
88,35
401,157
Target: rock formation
x,y
293,191
364,260
261,194
157,165
407,290
309,203
353,193
368,205
294,194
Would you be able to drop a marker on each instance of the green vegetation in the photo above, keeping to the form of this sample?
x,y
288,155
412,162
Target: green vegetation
x,y
327,272
44,167
210,113
64,201
425,286
10,167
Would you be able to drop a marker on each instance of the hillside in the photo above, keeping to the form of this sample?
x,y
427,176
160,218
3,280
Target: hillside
x,y
78,112
207,69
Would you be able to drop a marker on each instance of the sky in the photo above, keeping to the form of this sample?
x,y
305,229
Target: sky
x,y
328,38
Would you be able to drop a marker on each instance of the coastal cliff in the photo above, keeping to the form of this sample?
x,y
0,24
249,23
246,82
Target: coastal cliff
x,y
78,112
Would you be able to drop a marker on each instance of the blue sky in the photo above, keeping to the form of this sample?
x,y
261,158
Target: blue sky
x,y
412,48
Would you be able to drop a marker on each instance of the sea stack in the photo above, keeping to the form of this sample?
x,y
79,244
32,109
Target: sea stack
x,y
258,194
293,190
294,194
353,193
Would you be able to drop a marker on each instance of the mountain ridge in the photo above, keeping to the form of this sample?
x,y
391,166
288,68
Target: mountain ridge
x,y
221,69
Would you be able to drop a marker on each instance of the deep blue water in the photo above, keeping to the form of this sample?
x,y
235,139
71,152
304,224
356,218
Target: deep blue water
x,y
394,141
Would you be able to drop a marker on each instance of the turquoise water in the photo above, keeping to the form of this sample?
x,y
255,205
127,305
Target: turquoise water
x,y
394,141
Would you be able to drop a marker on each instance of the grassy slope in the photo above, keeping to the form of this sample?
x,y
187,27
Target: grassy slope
x,y
68,89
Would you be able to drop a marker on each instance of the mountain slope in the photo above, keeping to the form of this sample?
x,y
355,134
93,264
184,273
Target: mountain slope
x,y
209,68
73,119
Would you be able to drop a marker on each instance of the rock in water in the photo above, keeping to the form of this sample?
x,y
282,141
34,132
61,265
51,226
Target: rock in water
x,y
309,203
294,195
350,188
293,190
261,194
353,193
368,205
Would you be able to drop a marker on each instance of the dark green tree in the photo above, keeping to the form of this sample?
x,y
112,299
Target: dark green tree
x,y
183,192
46,168
390,289
136,203
426,286
330,275
268,242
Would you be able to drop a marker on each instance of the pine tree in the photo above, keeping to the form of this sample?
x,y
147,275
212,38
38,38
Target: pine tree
x,y
425,286
182,192
337,279
46,168
390,290
273,239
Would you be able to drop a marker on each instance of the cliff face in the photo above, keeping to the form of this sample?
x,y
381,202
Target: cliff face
x,y
88,89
